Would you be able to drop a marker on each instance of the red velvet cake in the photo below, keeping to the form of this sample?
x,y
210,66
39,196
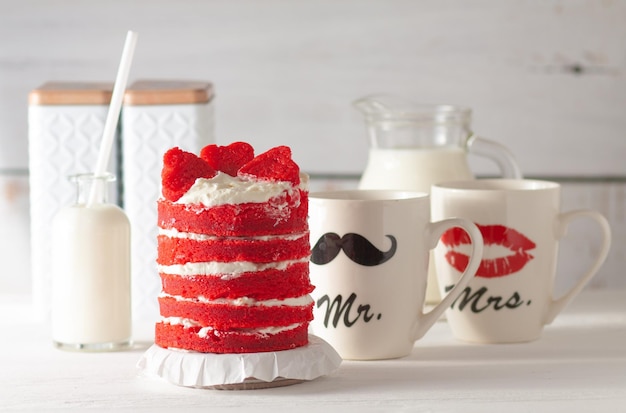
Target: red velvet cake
x,y
233,251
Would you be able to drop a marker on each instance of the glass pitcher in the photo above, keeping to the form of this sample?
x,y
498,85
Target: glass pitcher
x,y
413,146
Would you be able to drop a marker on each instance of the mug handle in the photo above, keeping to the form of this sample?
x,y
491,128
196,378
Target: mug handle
x,y
496,152
434,232
563,221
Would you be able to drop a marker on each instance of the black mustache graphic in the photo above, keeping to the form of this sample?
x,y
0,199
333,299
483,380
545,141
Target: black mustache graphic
x,y
355,246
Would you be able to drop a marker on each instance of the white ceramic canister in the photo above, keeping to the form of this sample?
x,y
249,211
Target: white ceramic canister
x,y
65,125
156,115
90,250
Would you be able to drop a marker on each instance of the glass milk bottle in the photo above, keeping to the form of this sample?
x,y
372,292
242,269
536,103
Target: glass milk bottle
x,y
413,146
91,305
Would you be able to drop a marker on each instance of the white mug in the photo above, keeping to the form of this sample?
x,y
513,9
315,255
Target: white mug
x,y
369,263
511,298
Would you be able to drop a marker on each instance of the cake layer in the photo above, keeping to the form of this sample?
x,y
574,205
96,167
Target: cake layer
x,y
216,341
178,250
293,281
236,314
284,214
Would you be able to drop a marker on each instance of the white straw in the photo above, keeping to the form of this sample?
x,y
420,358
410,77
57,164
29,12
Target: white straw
x,y
114,111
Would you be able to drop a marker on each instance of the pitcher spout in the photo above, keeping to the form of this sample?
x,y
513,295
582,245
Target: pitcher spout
x,y
384,106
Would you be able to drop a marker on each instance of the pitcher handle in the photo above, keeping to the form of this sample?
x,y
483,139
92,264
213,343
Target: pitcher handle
x,y
497,152
564,219
435,231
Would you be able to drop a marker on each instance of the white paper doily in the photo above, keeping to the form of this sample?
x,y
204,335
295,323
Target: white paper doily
x,y
241,371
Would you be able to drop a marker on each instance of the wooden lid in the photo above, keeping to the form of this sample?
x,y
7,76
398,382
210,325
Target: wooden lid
x,y
71,93
167,92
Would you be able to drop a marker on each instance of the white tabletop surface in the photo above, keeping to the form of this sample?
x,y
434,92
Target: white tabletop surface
x,y
579,365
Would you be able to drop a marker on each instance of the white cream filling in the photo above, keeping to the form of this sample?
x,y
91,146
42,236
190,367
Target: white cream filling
x,y
205,331
225,270
174,233
266,331
185,322
225,189
246,301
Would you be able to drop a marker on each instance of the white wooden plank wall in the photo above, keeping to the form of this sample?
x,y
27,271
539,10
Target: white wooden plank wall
x,y
546,78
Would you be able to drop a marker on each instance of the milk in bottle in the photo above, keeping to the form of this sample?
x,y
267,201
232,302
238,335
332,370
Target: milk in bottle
x,y
91,272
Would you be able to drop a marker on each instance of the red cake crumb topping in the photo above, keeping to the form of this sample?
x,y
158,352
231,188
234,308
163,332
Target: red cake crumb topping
x,y
228,159
180,171
273,165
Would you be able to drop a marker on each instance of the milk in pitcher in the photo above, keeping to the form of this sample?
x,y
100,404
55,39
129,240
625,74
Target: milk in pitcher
x,y
414,169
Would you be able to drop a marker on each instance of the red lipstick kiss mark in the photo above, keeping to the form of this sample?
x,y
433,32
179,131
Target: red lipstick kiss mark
x,y
492,235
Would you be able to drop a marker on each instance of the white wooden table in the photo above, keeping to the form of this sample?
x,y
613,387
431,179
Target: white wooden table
x,y
578,365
